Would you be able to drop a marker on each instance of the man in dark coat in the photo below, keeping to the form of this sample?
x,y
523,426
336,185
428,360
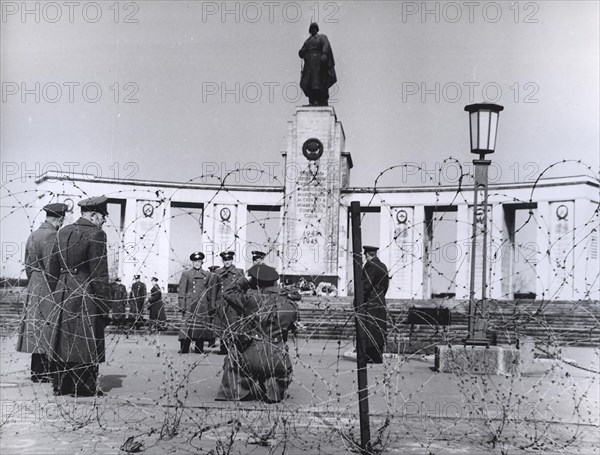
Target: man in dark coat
x,y
35,331
197,298
119,301
137,297
156,306
258,365
375,285
318,73
228,275
82,300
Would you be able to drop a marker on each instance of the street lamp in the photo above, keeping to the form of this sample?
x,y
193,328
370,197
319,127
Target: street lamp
x,y
483,121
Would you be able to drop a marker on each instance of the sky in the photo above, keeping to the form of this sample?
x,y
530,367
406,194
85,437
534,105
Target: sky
x,y
163,90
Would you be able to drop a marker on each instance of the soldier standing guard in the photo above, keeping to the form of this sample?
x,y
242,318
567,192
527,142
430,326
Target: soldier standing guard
x,y
197,296
258,365
156,306
137,297
228,275
35,331
119,301
375,285
82,300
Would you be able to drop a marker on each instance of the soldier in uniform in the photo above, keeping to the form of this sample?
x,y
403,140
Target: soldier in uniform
x,y
375,285
156,306
119,301
137,297
318,73
258,365
35,331
228,275
258,257
197,296
82,300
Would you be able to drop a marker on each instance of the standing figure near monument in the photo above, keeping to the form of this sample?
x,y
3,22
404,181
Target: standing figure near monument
x,y
156,306
137,297
258,365
225,315
82,298
119,301
197,298
375,285
318,73
34,331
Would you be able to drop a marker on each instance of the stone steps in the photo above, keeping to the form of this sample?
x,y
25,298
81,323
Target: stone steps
x,y
562,322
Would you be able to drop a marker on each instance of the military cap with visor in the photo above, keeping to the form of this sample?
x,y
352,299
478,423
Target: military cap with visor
x,y
56,209
197,256
95,204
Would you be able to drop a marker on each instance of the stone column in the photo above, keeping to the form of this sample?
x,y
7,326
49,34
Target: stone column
x,y
315,164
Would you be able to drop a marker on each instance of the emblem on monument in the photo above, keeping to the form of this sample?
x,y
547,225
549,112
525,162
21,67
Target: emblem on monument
x,y
225,214
312,149
70,204
401,216
148,210
562,211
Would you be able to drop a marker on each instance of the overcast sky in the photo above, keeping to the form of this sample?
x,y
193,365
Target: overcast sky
x,y
167,90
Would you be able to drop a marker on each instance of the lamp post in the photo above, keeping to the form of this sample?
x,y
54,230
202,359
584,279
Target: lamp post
x,y
483,121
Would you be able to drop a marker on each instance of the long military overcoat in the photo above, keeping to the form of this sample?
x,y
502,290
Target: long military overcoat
x,y
375,286
225,314
197,298
118,300
156,306
259,366
82,293
35,330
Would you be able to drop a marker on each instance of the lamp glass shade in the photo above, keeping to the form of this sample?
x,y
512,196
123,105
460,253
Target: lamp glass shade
x,y
483,119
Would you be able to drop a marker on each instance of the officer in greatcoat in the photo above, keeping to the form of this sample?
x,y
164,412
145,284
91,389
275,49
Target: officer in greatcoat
x,y
156,306
258,365
119,301
375,285
82,296
228,275
197,298
35,330
137,297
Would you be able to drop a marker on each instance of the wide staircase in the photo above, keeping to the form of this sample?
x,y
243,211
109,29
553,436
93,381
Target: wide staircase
x,y
575,323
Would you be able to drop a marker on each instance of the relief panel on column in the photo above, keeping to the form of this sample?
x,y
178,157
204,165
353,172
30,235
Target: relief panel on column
x,y
403,251
561,249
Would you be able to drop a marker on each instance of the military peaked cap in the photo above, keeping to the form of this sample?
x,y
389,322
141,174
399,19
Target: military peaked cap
x,y
154,279
197,256
263,272
135,277
227,255
370,249
94,204
258,255
212,268
57,209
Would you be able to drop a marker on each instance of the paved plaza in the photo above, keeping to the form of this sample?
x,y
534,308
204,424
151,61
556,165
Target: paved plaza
x,y
165,401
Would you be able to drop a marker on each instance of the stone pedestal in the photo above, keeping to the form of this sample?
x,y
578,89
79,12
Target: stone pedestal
x,y
317,168
477,359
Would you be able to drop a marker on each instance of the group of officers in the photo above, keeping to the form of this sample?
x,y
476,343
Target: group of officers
x,y
69,299
136,299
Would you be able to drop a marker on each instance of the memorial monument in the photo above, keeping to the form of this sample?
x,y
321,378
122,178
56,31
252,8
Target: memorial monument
x,y
317,168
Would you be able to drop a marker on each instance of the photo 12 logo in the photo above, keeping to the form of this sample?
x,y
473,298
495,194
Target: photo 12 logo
x,y
69,92
70,12
270,12
469,92
469,12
